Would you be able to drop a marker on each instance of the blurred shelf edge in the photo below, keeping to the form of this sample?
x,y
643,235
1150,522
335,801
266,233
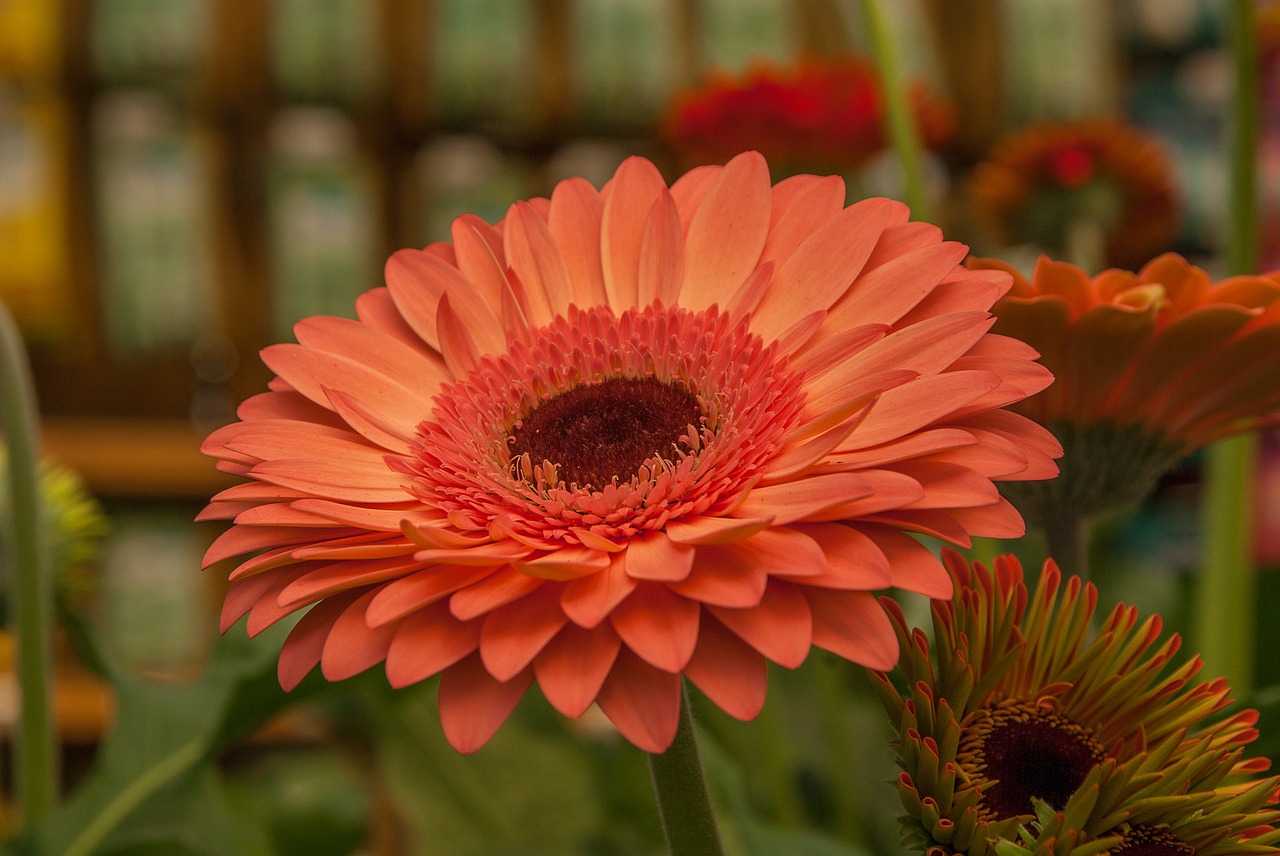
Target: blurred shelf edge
x,y
131,457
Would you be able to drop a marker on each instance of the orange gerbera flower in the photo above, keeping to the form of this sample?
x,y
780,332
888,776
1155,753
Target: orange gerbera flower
x,y
624,436
815,114
1150,366
1041,185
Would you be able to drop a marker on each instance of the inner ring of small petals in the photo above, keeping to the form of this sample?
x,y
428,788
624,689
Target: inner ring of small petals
x,y
711,399
605,431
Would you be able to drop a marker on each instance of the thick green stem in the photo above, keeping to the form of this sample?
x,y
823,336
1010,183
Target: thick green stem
x,y
30,581
903,134
681,787
1226,601
1067,536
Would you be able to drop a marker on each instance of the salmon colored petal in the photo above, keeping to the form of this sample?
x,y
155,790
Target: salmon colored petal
x,y
728,671
239,540
801,206
372,425
714,530
822,268
504,586
805,499
1100,348
408,367
478,249
589,600
658,625
660,267
460,349
352,646
348,480
855,626
303,647
885,293
780,628
534,255
409,594
727,233
512,635
947,485
312,373
915,405
567,563
575,222
852,560
632,193
243,594
415,292
914,567
268,609
468,305
329,579
573,666
657,557
642,702
473,705
931,442
427,642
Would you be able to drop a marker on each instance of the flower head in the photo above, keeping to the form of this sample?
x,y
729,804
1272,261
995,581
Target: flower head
x,y
1046,183
1148,366
1019,723
623,436
815,114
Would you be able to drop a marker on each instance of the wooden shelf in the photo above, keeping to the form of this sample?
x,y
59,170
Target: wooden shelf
x,y
135,457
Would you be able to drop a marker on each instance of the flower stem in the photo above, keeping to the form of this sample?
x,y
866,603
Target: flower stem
x,y
1226,603
1067,535
681,787
902,129
30,583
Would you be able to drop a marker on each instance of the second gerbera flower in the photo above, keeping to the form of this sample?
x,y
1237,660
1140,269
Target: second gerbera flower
x,y
626,436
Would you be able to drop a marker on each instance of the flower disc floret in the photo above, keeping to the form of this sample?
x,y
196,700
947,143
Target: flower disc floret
x,y
746,401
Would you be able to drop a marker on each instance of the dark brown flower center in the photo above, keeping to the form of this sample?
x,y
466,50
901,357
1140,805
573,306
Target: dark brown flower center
x,y
606,430
1026,752
1152,841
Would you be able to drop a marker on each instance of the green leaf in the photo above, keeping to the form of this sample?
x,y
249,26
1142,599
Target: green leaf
x,y
162,733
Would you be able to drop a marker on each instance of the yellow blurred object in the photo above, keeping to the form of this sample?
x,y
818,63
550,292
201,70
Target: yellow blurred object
x,y
29,39
35,278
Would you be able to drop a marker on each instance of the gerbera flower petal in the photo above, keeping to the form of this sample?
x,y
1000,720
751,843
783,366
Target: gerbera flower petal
x,y
780,627
573,666
726,235
728,671
512,635
428,641
625,435
658,625
851,624
473,705
643,702
352,646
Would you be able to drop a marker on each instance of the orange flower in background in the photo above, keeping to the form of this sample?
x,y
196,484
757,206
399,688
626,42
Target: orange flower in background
x,y
1052,184
823,114
1149,367
625,436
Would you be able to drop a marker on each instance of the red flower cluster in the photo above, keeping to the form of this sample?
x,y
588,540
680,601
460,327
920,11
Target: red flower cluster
x,y
816,114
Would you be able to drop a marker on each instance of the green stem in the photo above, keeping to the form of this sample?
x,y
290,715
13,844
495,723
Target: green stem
x,y
1067,536
903,134
31,587
155,778
836,706
681,787
1226,602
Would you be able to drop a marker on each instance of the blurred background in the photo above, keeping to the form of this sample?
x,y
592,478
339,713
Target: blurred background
x,y
182,180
